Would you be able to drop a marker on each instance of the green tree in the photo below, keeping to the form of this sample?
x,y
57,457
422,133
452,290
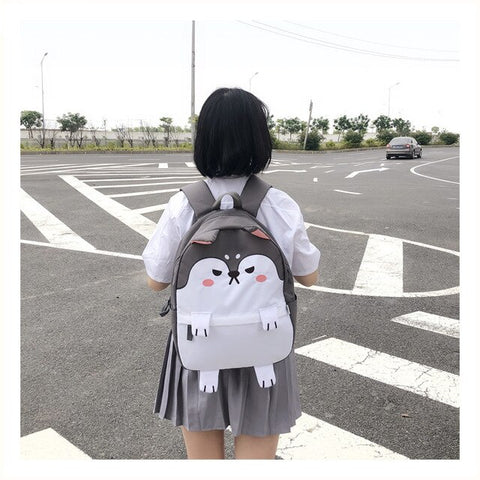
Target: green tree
x,y
30,119
384,136
294,125
166,124
270,122
342,124
74,124
313,139
402,127
382,123
360,124
448,138
422,137
321,124
352,139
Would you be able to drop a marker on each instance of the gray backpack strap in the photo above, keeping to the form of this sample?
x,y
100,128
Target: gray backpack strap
x,y
253,194
200,198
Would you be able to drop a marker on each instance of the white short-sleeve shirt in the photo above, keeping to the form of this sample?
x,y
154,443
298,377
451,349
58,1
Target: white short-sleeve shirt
x,y
278,212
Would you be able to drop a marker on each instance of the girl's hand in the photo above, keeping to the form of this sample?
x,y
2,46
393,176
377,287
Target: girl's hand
x,y
157,286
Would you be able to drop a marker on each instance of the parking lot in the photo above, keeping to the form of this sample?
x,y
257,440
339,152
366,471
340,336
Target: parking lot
x,y
377,342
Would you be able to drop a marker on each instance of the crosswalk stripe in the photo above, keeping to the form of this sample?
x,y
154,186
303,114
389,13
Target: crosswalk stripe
x,y
139,194
49,225
314,439
153,208
134,220
130,179
49,445
381,270
53,166
73,168
410,376
143,184
79,249
430,322
190,164
163,165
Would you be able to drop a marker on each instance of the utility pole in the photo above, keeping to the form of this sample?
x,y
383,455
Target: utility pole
x,y
192,110
43,103
308,125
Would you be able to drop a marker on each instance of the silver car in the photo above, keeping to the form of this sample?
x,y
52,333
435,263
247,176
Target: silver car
x,y
403,146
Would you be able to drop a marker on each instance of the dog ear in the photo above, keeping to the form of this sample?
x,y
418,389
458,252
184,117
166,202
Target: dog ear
x,y
258,233
205,238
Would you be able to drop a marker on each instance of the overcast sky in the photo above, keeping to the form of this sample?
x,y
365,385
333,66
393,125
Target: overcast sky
x,y
129,68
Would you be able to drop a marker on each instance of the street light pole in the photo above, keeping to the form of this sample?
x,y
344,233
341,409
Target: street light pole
x,y
250,82
43,103
389,89
192,110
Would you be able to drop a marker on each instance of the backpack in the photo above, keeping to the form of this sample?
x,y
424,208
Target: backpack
x,y
232,296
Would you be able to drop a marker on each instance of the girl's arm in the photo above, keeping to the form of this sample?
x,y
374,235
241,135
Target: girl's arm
x,y
157,286
308,280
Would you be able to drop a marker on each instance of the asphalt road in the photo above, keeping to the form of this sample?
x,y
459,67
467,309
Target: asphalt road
x,y
92,341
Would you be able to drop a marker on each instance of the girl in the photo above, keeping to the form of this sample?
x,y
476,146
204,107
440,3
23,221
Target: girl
x,y
232,143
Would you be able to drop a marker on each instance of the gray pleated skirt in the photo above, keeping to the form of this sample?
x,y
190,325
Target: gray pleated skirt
x,y
239,402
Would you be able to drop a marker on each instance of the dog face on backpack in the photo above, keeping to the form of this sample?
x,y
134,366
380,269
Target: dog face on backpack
x,y
244,269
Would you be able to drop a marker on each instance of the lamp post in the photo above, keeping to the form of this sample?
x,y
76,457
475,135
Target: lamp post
x,y
250,82
192,98
389,90
43,103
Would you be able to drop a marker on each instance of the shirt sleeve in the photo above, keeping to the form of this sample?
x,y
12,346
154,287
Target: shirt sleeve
x,y
159,254
305,255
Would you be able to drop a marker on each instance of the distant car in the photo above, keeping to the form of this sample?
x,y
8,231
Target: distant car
x,y
403,147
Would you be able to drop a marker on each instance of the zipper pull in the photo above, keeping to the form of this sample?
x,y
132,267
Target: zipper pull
x,y
166,308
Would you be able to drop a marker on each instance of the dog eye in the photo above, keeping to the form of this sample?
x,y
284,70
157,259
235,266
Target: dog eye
x,y
216,272
250,270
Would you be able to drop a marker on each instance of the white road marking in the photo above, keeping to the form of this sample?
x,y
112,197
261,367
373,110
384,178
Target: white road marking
x,y
143,184
153,208
314,439
163,165
74,169
413,377
140,194
136,179
294,171
49,225
434,178
134,220
345,191
80,249
430,322
49,445
315,180
329,171
52,166
381,270
190,164
131,172
354,174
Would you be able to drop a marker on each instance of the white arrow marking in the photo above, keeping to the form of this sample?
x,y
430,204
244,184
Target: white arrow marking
x,y
351,175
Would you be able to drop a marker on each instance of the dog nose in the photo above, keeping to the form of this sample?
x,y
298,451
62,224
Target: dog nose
x,y
234,273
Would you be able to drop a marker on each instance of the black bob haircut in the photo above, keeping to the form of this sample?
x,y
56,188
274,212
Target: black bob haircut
x,y
232,134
